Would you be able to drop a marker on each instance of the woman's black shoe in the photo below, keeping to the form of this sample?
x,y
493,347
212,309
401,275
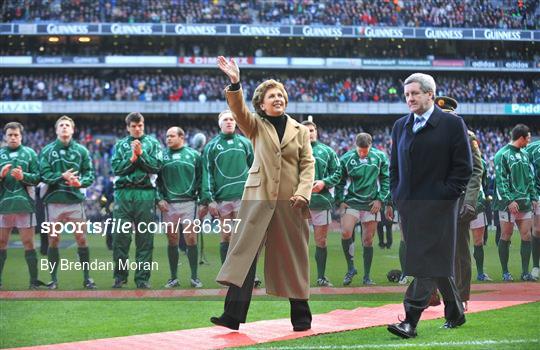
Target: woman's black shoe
x,y
301,328
300,315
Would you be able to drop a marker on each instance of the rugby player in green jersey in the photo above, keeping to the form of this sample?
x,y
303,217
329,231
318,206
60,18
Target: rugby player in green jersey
x,y
327,175
179,185
19,173
363,200
66,167
533,149
478,226
515,198
136,161
226,160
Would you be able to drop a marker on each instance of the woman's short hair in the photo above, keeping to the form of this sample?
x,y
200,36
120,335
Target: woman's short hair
x,y
260,91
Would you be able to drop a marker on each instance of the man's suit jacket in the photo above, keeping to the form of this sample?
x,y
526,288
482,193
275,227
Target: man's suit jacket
x,y
429,170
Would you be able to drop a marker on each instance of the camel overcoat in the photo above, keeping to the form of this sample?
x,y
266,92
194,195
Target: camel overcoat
x,y
267,220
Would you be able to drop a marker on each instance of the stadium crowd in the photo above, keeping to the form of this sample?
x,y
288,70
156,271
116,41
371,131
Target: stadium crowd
x,y
415,13
154,86
265,47
430,13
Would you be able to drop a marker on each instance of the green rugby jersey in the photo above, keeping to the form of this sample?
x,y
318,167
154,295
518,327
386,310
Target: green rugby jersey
x,y
533,149
514,179
481,202
369,179
55,159
226,160
180,177
15,195
327,169
143,172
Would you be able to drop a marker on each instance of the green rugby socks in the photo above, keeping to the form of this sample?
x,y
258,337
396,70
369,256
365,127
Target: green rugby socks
x,y
525,251
503,254
172,254
223,248
31,261
348,250
53,256
193,256
479,258
320,258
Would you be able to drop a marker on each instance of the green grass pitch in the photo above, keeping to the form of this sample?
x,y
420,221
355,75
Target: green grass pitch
x,y
34,322
15,275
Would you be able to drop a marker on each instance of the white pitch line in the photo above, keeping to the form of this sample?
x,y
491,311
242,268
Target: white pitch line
x,y
413,345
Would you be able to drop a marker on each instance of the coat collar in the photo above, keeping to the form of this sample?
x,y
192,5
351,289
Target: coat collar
x,y
433,120
291,129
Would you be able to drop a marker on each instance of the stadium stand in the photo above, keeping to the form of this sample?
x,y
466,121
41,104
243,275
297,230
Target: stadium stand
x,y
379,84
267,47
478,13
414,13
301,87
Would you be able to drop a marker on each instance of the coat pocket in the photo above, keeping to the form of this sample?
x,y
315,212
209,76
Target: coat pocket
x,y
254,169
253,181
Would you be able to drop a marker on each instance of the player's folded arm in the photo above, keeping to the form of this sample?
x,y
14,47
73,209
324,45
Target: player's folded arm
x,y
149,163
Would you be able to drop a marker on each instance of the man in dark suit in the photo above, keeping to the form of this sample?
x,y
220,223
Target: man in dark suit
x,y
429,169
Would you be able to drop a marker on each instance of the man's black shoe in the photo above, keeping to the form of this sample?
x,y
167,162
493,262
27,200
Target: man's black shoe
x,y
454,323
225,321
404,330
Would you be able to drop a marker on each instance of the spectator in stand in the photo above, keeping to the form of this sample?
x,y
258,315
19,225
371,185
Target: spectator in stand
x,y
412,13
154,86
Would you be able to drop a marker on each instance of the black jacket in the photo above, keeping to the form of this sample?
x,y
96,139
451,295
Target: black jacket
x,y
428,172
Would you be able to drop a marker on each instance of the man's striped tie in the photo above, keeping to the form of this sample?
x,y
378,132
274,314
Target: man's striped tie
x,y
418,123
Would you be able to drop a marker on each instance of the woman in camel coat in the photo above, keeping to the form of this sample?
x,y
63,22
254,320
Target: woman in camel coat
x,y
274,204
